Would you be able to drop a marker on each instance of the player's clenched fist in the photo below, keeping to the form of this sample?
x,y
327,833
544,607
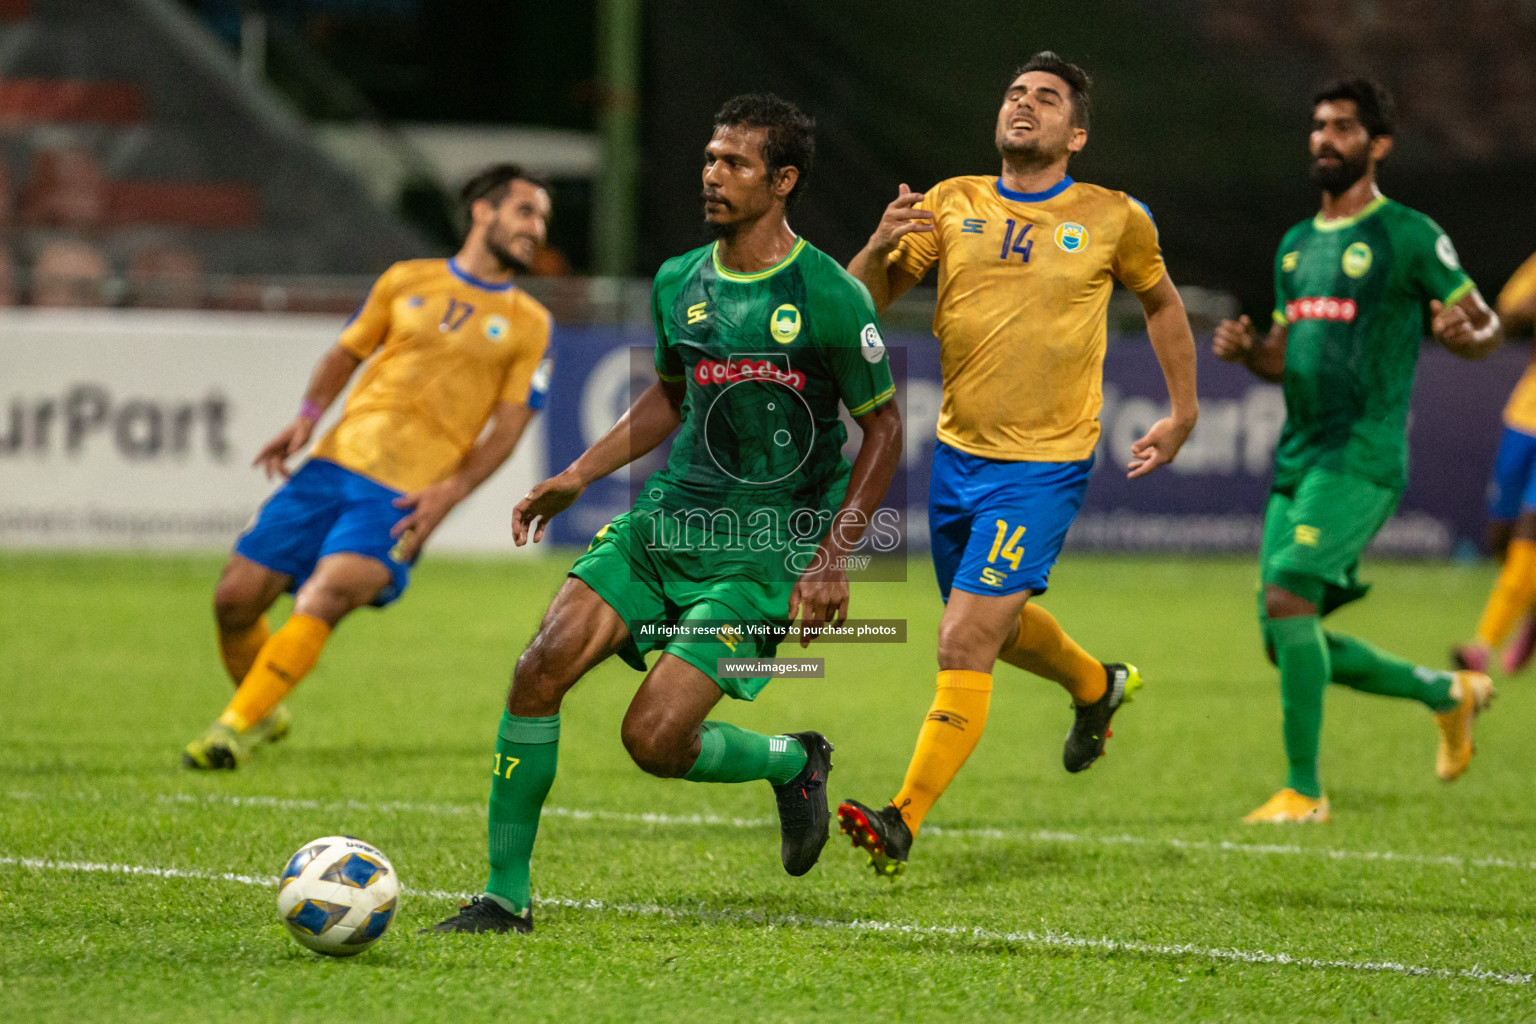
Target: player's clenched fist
x,y
901,218
1452,326
1234,339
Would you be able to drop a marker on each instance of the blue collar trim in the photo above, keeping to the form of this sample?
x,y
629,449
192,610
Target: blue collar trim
x,y
490,286
1034,197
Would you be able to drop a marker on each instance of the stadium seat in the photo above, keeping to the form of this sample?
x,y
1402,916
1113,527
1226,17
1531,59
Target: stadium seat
x,y
186,204
25,101
165,278
66,188
69,273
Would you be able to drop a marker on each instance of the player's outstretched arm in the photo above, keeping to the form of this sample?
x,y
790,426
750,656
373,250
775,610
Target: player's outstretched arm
x,y
821,594
431,505
888,282
645,424
1174,344
330,377
1236,342
1468,328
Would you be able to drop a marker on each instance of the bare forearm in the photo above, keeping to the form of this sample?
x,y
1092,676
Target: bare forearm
x,y
873,469
1174,346
330,377
645,424
493,449
1267,358
870,267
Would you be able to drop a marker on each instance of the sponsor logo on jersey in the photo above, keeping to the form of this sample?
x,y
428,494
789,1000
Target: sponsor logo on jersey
x,y
784,325
1447,252
415,302
972,226
1308,535
1071,236
496,327
871,344
1357,259
697,312
1337,310
1288,261
733,371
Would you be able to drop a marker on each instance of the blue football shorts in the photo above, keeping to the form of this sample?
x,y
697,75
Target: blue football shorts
x,y
325,509
1513,488
997,527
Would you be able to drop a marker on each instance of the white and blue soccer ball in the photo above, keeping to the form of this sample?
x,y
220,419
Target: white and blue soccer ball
x,y
337,895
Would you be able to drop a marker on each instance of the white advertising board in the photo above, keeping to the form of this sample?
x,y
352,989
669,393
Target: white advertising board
x,y
136,429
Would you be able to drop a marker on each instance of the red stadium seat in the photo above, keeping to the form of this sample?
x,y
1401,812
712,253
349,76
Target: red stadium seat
x,y
189,205
43,100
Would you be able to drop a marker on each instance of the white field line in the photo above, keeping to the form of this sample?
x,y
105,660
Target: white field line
x,y
1047,938
1019,835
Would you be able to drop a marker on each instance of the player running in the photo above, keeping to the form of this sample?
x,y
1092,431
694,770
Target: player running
x,y
758,338
1351,289
1512,503
451,347
1026,264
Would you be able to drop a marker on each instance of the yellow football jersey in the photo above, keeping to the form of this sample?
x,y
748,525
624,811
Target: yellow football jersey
x,y
1520,411
443,349
1024,283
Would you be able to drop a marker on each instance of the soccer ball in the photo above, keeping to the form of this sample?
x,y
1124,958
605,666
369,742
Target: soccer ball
x,y
338,895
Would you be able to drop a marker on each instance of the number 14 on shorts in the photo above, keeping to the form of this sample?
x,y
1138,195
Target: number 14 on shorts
x,y
1007,547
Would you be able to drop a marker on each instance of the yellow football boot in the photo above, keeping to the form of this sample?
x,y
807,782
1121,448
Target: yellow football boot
x,y
1474,690
1289,806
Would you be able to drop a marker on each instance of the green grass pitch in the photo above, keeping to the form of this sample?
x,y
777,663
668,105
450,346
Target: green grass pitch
x,y
1130,892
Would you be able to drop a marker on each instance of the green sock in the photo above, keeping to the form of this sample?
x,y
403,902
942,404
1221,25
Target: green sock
x,y
1303,656
526,752
1363,667
731,754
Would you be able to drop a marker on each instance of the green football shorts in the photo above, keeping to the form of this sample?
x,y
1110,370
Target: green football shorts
x,y
1314,536
646,587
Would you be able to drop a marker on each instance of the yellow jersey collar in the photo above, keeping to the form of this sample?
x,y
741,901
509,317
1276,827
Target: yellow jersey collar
x,y
731,275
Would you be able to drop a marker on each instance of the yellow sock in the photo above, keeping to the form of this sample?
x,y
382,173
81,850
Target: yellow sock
x,y
1512,594
283,660
948,735
239,649
1043,647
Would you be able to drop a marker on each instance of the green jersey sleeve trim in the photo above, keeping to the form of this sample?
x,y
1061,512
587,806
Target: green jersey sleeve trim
x,y
1458,293
761,275
1279,318
1348,222
671,379
874,403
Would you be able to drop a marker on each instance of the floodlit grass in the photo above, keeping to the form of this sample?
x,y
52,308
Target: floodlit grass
x,y
109,666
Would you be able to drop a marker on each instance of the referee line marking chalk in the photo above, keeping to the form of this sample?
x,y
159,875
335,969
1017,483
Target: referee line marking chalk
x,y
1048,938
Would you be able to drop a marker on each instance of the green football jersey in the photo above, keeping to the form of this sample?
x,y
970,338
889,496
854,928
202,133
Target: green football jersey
x,y
757,465
1354,295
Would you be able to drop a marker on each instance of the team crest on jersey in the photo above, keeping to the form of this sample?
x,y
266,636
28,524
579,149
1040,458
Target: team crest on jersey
x,y
1447,252
1357,259
496,327
1289,260
784,325
1071,236
871,344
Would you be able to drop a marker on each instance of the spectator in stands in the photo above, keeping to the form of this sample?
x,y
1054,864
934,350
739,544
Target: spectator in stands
x,y
69,274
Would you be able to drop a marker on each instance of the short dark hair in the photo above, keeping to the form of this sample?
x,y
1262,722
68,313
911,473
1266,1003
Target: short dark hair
x,y
1048,61
1374,104
492,185
791,138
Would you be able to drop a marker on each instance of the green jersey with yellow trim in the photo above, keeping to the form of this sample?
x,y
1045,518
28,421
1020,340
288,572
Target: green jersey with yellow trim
x,y
766,358
1354,294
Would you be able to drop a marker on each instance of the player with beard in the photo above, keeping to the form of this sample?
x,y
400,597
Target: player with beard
x,y
455,368
1355,287
1026,262
760,338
